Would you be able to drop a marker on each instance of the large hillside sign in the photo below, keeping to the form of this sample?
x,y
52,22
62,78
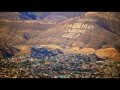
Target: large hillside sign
x,y
74,30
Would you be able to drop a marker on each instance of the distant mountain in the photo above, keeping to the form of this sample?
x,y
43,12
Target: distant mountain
x,y
10,15
54,19
17,28
95,30
42,15
91,29
17,16
36,15
27,16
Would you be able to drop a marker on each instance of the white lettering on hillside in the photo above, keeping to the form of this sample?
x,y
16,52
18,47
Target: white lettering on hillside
x,y
81,26
70,30
71,35
87,19
74,30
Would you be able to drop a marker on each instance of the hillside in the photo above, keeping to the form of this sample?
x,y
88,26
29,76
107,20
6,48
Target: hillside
x,y
83,31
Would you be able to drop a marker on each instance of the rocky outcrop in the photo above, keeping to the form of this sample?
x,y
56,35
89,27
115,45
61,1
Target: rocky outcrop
x,y
109,53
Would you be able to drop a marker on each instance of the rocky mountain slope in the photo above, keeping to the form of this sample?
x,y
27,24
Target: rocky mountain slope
x,y
89,30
